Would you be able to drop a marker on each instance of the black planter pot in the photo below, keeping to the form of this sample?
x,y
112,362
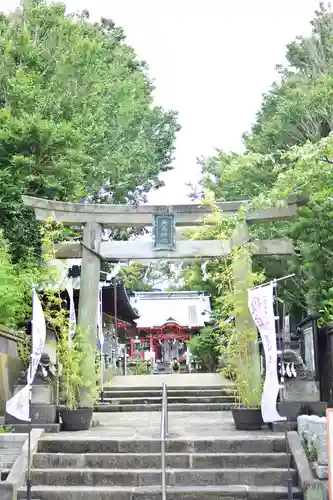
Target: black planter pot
x,y
247,419
76,420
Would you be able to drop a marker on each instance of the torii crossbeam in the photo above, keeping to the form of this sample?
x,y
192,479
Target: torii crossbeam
x,y
96,217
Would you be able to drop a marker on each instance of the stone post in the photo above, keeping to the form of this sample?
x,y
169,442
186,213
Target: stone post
x,y
88,303
249,362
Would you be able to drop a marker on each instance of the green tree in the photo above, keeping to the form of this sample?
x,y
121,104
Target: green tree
x,y
299,108
16,282
77,119
205,348
289,152
142,277
134,278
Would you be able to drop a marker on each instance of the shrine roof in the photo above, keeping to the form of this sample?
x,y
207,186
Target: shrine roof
x,y
68,272
188,309
125,311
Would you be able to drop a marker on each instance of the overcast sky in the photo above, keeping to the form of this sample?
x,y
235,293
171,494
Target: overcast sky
x,y
211,60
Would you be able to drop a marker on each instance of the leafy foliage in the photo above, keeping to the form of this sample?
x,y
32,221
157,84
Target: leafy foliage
x,y
221,343
142,277
77,120
289,153
139,367
134,277
73,381
16,281
205,348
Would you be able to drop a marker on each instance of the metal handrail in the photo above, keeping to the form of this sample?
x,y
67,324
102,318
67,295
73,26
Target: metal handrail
x,y
164,434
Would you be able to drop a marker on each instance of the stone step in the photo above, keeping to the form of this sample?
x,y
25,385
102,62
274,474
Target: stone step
x,y
173,388
153,460
230,444
116,408
132,393
154,493
152,477
171,399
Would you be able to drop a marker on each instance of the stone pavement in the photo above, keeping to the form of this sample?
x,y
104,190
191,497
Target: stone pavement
x,y
171,379
146,425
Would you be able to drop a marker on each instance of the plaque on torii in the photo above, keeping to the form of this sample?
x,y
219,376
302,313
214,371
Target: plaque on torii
x,y
164,232
94,218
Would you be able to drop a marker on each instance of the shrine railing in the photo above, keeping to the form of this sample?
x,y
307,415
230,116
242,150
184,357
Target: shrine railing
x,y
164,434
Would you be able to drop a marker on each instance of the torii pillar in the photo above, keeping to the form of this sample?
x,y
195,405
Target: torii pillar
x,y
72,215
249,359
88,302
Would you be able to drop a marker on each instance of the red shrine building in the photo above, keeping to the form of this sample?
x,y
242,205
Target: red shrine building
x,y
166,321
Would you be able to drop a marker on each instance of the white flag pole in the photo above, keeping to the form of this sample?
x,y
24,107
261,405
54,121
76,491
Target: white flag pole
x,y
101,340
72,315
282,380
20,405
29,381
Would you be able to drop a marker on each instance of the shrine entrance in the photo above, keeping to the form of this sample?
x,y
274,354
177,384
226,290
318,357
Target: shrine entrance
x,y
167,320
163,219
164,346
165,343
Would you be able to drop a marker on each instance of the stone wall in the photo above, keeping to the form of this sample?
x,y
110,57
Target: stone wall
x,y
10,448
10,365
312,430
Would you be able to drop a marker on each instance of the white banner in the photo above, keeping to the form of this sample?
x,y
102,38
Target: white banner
x,y
72,315
260,302
101,336
18,405
100,319
329,430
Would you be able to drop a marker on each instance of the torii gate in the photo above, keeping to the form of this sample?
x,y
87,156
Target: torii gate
x,y
163,219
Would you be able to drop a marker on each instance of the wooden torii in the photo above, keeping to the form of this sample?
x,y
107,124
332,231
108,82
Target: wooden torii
x,y
94,218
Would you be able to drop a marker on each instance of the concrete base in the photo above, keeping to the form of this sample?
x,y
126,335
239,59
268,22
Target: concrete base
x,y
292,409
302,390
24,427
41,394
283,426
42,414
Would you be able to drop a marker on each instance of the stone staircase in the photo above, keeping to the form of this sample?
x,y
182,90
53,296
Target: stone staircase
x,y
232,468
10,448
179,399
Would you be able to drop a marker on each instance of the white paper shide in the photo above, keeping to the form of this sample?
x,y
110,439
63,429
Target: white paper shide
x,y
18,405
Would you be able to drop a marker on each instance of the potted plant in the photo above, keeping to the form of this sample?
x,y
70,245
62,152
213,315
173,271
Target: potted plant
x,y
240,348
75,413
247,415
239,367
